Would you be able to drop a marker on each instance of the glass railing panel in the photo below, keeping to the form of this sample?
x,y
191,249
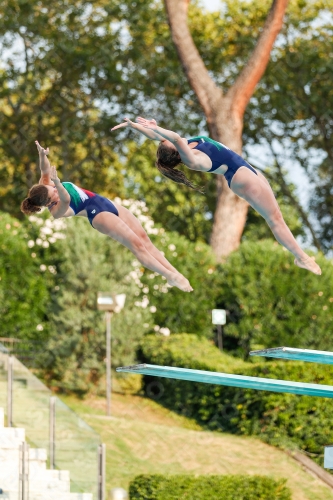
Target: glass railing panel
x,y
76,442
31,405
3,377
76,446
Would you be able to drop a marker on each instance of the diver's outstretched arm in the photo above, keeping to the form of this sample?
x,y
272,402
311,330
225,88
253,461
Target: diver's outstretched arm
x,y
44,165
151,134
187,154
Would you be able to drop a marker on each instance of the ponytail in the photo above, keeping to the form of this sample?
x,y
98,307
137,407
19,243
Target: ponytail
x,y
38,197
166,161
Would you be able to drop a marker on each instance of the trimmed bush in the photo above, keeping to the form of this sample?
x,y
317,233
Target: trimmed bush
x,y
285,420
178,487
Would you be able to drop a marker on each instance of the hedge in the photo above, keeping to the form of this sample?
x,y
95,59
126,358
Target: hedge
x,y
284,420
272,302
178,487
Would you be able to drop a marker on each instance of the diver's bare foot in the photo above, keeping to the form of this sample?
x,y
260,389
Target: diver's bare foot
x,y
180,282
309,264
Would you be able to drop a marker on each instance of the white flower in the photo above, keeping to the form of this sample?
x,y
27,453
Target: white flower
x,y
59,236
39,241
31,243
152,309
39,328
172,247
144,303
165,331
46,244
42,267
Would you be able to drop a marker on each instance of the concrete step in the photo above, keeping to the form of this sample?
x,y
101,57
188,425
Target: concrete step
x,y
11,437
9,495
9,469
50,480
37,459
57,496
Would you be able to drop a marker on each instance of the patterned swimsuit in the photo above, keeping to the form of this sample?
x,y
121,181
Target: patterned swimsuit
x,y
93,203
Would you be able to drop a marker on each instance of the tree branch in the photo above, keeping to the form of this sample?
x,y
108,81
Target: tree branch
x,y
201,82
245,84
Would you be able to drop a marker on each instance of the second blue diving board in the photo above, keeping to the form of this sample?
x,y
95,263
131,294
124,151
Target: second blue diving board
x,y
227,379
324,357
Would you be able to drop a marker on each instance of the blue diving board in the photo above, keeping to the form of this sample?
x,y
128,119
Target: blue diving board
x,y
261,384
324,357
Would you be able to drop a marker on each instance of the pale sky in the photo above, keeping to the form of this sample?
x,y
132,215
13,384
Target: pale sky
x,y
212,4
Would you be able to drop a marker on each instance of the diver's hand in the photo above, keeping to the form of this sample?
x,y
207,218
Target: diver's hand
x,y
126,123
42,151
151,124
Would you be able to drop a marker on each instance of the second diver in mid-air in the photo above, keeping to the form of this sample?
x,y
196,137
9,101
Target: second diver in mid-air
x,y
206,155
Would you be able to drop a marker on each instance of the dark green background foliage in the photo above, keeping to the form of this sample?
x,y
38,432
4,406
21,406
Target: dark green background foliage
x,y
158,487
23,287
281,419
181,311
272,302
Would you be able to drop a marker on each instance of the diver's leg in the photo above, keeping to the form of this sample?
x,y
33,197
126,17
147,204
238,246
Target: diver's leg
x,y
111,225
256,190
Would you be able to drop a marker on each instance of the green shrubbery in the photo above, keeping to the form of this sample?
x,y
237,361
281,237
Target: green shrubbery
x,y
181,311
272,302
280,419
158,487
23,287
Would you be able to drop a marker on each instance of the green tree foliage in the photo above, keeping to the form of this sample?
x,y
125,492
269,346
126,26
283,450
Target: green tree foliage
x,y
23,290
56,57
291,112
158,487
67,94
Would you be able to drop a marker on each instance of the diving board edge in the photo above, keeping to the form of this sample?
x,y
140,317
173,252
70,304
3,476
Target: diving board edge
x,y
231,380
292,353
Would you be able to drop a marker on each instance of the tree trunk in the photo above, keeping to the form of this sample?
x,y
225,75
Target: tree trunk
x,y
224,112
231,211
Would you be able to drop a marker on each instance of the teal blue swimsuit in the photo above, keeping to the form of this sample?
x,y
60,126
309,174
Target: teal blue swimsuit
x,y
220,155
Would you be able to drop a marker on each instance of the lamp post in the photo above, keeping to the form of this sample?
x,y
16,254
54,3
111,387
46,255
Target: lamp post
x,y
110,303
219,318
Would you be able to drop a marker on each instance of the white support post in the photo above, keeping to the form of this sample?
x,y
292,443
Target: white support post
x,y
108,316
24,472
52,431
10,364
101,472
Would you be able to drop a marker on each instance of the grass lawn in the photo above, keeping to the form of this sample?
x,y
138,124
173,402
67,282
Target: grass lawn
x,y
143,437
